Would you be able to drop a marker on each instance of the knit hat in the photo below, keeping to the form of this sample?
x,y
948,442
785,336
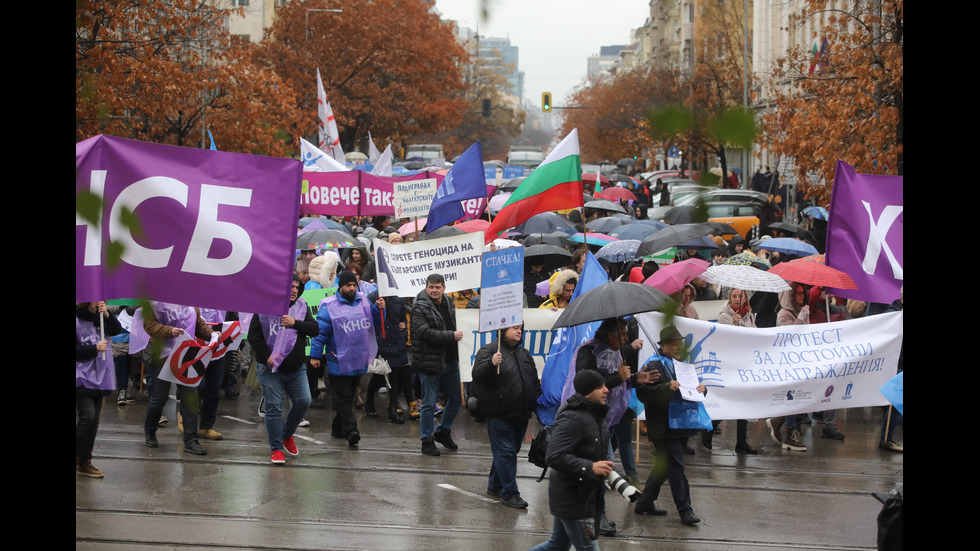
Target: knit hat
x,y
587,380
346,277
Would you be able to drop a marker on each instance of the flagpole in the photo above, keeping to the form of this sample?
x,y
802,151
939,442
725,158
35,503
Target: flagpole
x,y
101,328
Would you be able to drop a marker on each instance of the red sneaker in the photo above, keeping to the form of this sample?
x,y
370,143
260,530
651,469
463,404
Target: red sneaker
x,y
277,457
290,445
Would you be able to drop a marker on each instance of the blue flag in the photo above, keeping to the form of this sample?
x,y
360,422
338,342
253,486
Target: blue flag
x,y
213,148
561,358
464,181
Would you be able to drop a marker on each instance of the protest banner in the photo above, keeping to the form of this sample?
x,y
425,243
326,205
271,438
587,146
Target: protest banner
x,y
538,337
412,198
188,360
402,269
352,193
218,229
770,372
502,289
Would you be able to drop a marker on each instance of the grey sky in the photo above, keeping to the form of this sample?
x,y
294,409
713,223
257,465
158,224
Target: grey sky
x,y
555,37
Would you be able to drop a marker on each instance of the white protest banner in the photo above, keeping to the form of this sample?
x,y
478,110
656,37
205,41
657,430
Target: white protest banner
x,y
771,372
502,289
402,269
412,198
188,360
538,336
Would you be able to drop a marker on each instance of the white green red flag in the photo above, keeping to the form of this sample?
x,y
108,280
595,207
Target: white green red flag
x,y
556,184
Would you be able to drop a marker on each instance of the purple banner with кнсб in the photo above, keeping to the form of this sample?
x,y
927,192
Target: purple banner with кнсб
x,y
865,234
218,228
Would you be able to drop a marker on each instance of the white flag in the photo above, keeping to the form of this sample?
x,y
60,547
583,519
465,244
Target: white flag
x,y
373,153
315,160
382,167
329,136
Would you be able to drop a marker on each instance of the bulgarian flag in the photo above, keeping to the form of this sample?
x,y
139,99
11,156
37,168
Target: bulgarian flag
x,y
556,184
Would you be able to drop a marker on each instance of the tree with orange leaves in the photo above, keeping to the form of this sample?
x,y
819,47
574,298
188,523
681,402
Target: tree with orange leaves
x,y
166,71
847,101
389,66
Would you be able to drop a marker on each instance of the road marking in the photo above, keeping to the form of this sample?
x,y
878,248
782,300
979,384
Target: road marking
x,y
465,492
239,420
308,439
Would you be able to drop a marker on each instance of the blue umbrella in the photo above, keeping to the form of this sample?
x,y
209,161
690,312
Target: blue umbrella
x,y
819,213
619,251
788,245
634,231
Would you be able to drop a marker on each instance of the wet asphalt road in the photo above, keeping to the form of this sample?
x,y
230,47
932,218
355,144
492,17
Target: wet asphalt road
x,y
386,495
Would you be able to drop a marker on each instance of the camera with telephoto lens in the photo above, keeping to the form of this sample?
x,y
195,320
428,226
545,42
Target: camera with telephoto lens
x,y
616,482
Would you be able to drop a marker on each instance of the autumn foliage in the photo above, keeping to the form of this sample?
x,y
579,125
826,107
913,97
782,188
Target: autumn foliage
x,y
848,102
388,66
165,71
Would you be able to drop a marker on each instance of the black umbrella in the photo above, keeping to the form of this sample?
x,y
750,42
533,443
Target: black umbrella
x,y
546,222
512,184
671,237
625,162
791,229
604,204
444,231
722,227
611,300
687,214
557,238
549,255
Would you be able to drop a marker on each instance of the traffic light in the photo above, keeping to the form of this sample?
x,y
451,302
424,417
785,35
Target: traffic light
x,y
487,105
546,102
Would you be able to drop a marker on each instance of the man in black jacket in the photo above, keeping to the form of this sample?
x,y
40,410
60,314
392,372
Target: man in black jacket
x,y
577,456
506,386
435,356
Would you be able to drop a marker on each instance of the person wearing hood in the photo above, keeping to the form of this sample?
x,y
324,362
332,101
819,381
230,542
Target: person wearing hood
x,y
736,245
94,379
506,387
279,344
346,344
562,286
361,257
577,458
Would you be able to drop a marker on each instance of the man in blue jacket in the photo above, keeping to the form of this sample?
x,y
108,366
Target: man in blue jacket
x,y
347,343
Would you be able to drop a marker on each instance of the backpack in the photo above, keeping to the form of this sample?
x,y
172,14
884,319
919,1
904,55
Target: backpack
x,y
539,450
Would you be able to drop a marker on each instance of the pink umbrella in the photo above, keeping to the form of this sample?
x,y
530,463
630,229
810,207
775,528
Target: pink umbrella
x,y
615,193
409,227
673,277
473,226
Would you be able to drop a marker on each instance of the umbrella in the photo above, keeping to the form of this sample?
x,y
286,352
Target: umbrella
x,y
546,222
497,201
594,239
473,226
619,251
617,177
611,300
551,256
811,270
325,239
501,243
355,156
673,277
410,227
744,277
557,238
444,231
415,165
626,161
819,213
722,227
671,236
701,243
747,258
603,204
605,225
633,231
591,176
788,245
512,184
791,229
616,193
687,214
